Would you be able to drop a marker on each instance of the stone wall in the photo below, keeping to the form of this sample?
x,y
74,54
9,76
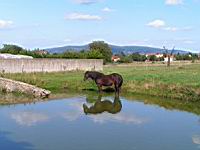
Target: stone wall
x,y
49,65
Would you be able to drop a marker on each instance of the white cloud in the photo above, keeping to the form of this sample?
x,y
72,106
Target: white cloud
x,y
81,16
156,23
184,41
67,40
189,42
173,29
107,9
86,2
5,24
160,24
28,118
173,2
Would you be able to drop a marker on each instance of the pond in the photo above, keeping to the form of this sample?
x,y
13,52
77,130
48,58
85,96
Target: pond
x,y
97,123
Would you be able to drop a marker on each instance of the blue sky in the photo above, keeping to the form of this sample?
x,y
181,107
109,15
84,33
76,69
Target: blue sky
x,y
45,23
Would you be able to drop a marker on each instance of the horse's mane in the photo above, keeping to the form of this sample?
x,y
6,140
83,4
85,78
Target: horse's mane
x,y
95,74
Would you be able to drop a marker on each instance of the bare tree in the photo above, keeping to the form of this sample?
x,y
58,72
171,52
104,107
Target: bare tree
x,y
169,55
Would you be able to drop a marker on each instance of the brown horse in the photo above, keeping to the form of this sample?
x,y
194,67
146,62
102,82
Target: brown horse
x,y
105,80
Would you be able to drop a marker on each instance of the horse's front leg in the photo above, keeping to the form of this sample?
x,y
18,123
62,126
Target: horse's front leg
x,y
116,94
100,88
117,90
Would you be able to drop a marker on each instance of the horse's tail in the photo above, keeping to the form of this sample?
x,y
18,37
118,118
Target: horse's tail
x,y
121,82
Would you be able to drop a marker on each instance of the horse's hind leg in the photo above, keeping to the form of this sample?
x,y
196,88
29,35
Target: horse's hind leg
x,y
119,90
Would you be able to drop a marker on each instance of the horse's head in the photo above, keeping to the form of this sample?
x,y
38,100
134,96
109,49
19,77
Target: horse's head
x,y
86,76
92,75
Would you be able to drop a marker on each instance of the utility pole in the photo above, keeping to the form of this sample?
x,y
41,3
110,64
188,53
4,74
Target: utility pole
x,y
168,54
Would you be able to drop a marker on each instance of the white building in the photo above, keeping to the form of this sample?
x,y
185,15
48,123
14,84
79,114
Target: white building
x,y
158,55
10,56
166,59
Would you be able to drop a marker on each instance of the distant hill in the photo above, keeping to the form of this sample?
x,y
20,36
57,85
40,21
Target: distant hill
x,y
67,48
115,49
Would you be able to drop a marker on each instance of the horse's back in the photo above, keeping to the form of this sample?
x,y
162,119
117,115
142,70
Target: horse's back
x,y
117,75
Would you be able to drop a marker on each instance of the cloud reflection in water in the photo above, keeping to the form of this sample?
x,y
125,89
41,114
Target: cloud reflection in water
x,y
121,117
196,140
28,118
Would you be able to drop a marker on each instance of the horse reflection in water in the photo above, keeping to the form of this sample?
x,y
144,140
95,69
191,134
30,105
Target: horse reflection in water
x,y
104,106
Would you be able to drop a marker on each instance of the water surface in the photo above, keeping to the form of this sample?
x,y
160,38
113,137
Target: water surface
x,y
97,123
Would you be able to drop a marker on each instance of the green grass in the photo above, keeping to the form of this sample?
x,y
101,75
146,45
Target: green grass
x,y
182,75
177,82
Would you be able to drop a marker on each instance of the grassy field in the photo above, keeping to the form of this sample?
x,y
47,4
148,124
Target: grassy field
x,y
177,82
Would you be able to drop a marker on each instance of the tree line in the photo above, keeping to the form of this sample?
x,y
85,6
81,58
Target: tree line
x,y
97,50
141,57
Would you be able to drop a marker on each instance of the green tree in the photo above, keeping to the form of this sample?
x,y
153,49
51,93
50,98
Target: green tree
x,y
138,57
12,49
103,48
126,59
93,54
71,54
152,58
